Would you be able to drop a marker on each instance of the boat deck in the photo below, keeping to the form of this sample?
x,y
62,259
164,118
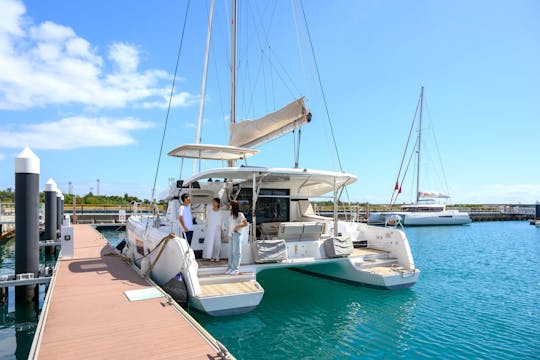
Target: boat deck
x,y
88,315
368,251
230,288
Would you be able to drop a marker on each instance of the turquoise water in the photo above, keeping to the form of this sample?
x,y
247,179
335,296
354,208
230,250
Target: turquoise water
x,y
477,297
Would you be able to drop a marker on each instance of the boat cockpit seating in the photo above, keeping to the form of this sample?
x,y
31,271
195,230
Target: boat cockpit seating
x,y
295,231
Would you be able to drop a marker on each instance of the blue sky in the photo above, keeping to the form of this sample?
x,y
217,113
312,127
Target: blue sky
x,y
85,85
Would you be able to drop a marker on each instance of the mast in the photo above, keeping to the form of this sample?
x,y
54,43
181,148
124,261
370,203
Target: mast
x,y
233,69
203,90
233,63
419,145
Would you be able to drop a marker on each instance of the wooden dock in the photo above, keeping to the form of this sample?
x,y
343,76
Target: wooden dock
x,y
87,315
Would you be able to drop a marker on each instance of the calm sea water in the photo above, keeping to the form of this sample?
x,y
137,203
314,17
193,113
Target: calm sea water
x,y
18,323
477,297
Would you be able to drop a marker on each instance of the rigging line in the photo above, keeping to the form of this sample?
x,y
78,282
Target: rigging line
x,y
406,169
170,99
447,189
320,85
407,145
224,122
299,45
263,44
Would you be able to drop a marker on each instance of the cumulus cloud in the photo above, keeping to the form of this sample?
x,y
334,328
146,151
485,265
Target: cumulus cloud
x,y
182,99
77,132
126,57
48,63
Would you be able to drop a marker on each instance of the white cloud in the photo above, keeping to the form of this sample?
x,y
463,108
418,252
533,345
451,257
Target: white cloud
x,y
182,99
49,63
11,17
126,57
2,156
76,132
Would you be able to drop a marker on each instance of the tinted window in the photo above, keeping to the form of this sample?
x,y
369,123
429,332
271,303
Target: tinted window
x,y
272,206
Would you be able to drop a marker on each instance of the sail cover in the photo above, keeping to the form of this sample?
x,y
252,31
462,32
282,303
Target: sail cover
x,y
433,195
250,133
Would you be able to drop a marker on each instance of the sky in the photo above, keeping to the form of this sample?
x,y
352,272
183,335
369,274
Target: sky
x,y
86,86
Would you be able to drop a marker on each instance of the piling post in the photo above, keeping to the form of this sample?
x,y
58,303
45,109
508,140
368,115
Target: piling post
x,y
50,214
27,169
59,209
537,217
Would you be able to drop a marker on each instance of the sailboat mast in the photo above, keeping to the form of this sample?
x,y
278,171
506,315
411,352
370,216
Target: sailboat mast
x,y
231,163
419,146
203,87
233,63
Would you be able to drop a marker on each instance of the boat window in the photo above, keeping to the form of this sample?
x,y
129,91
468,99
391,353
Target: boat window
x,y
272,206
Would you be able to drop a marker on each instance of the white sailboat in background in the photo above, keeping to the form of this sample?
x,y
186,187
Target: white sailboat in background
x,y
428,210
283,231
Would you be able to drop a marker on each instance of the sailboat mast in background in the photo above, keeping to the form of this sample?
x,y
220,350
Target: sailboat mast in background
x,y
419,146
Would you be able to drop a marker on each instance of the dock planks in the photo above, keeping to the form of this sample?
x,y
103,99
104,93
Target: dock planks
x,y
90,317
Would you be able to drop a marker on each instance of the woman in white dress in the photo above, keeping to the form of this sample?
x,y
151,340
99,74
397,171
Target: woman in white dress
x,y
214,227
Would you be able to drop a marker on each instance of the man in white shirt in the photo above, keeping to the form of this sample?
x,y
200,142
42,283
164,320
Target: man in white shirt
x,y
185,219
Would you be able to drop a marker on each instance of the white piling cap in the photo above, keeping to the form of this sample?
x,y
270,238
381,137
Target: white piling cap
x,y
27,162
59,194
62,197
51,186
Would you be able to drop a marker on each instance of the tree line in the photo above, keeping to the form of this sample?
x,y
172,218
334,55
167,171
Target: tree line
x,y
8,195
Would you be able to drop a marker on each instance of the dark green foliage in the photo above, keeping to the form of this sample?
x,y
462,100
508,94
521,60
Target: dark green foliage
x,y
7,195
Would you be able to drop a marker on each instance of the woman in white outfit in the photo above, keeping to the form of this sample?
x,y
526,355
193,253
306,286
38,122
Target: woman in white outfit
x,y
214,226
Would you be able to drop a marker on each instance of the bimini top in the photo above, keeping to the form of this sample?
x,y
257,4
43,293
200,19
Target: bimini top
x,y
212,152
301,182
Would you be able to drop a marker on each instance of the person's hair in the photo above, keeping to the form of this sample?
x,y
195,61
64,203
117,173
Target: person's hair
x,y
184,197
217,200
235,208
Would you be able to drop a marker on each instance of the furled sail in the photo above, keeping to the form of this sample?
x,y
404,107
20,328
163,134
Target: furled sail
x,y
250,133
433,195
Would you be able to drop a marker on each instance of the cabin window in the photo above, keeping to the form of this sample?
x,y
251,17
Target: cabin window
x,y
273,205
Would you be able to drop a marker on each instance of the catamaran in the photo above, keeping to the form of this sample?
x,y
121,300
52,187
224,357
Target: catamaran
x,y
283,231
428,210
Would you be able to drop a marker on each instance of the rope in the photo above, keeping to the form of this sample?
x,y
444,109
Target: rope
x,y
324,96
322,89
170,100
166,240
398,185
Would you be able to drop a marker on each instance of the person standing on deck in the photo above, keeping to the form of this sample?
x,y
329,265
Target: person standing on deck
x,y
214,226
185,219
237,220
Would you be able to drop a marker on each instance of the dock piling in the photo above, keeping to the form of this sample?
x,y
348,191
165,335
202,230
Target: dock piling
x,y
51,218
27,169
59,209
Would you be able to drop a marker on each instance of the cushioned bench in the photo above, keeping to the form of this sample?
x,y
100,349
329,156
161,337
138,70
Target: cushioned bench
x,y
300,231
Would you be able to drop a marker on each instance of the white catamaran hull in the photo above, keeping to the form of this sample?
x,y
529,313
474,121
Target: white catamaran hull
x,y
349,271
447,217
177,257
387,263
